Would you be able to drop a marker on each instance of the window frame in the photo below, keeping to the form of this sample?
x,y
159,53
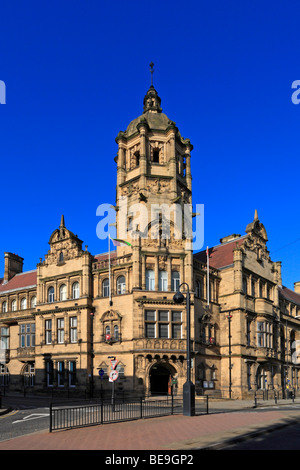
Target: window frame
x,y
150,279
60,330
121,286
156,325
63,293
48,331
51,295
75,290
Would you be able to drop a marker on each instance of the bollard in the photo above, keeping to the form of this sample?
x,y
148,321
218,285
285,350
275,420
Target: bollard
x,y
255,400
207,404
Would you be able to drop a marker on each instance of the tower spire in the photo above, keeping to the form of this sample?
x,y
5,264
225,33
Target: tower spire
x,y
151,71
62,221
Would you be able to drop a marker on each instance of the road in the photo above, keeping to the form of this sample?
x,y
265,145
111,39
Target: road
x,y
23,421
283,439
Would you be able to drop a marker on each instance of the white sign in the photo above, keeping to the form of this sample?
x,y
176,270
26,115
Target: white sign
x,y
113,375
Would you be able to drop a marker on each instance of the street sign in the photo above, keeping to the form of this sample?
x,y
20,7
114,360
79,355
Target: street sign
x,y
101,373
113,375
113,362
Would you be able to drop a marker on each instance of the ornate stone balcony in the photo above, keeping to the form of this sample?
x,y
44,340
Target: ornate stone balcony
x,y
160,344
25,352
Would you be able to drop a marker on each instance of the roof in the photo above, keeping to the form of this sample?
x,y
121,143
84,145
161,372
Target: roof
x,y
289,295
104,256
19,281
220,256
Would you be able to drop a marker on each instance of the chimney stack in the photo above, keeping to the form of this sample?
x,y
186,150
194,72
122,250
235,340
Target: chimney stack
x,y
13,264
297,287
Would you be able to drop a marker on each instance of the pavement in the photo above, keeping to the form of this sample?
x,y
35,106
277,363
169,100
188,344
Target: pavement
x,y
230,424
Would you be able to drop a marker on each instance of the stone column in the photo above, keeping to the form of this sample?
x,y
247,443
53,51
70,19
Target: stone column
x,y
156,270
169,270
188,175
238,269
143,272
172,165
143,155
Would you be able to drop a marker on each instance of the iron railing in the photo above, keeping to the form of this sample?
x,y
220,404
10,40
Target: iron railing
x,y
101,413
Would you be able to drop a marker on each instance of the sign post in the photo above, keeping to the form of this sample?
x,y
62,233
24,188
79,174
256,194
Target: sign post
x,y
112,378
101,374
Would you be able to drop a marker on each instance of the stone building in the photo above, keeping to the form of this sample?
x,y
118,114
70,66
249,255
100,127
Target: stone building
x,y
61,323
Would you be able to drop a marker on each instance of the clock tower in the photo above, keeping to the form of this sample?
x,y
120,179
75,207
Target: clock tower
x,y
154,197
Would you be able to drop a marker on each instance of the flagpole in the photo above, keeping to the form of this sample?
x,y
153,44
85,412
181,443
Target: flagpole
x,y
109,281
207,277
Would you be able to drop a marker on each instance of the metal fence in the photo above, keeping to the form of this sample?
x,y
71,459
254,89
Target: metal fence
x,y
69,417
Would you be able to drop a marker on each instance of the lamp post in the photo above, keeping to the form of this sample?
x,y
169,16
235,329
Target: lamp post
x,y
188,386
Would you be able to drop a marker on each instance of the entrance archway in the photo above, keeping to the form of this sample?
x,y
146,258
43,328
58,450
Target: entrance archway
x,y
160,375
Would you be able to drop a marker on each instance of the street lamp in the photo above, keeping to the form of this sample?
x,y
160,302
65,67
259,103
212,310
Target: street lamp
x,y
188,386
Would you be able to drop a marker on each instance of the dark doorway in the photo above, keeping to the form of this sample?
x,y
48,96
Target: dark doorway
x,y
159,380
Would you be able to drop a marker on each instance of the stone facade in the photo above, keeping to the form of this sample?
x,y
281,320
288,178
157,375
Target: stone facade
x,y
62,323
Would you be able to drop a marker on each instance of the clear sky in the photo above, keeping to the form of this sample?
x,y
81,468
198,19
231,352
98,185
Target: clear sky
x,y
76,73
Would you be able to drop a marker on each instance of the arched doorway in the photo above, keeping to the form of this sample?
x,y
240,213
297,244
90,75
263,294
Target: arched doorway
x,y
160,375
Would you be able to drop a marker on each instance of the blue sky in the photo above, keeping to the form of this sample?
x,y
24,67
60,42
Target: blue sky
x,y
76,73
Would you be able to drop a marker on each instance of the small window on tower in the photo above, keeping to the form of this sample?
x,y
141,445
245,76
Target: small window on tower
x,y
156,156
137,158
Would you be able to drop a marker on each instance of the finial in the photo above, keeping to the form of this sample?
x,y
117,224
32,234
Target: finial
x,y
151,71
62,222
255,215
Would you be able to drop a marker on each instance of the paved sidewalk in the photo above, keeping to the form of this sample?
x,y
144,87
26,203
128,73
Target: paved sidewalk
x,y
175,432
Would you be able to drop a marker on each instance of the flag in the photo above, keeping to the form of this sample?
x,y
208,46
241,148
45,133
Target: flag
x,y
207,277
118,242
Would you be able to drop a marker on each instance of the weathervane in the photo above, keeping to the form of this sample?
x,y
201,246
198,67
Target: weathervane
x,y
151,71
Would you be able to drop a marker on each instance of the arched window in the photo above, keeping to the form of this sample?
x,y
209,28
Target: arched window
x,y
200,288
121,285
163,280
175,281
107,333
51,294
61,257
75,290
116,332
23,303
63,292
4,307
105,288
150,279
14,306
33,302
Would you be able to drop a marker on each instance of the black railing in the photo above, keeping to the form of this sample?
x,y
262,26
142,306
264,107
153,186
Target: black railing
x,y
101,413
